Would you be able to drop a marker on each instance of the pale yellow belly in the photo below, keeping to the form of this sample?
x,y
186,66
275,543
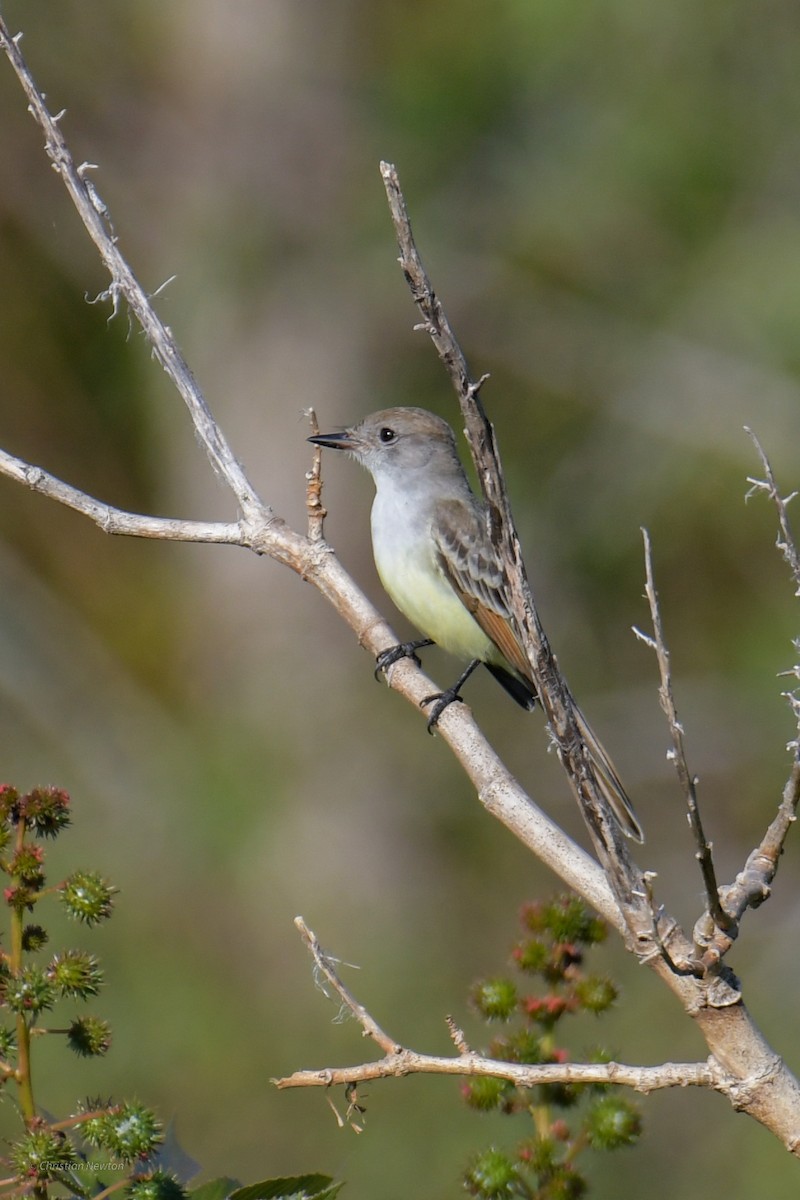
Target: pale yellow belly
x,y
424,596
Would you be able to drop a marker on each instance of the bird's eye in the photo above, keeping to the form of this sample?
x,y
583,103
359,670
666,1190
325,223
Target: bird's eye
x,y
387,435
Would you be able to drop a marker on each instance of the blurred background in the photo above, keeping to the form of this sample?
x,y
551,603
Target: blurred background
x,y
606,197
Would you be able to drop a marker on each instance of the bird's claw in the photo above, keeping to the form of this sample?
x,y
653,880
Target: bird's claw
x,y
443,701
388,658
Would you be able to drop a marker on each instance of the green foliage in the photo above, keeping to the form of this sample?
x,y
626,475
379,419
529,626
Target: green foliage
x,y
217,1189
102,1144
543,1167
301,1187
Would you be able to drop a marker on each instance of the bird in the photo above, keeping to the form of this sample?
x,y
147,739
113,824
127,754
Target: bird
x,y
438,564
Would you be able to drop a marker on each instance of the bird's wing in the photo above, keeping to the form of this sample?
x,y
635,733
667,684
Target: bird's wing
x,y
471,566
468,559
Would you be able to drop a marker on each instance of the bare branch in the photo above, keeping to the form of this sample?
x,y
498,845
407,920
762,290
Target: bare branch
x,y
752,885
399,1061
324,965
409,1062
687,781
115,520
94,214
785,541
314,506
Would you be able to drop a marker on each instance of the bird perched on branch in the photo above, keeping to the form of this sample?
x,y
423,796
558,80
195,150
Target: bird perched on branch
x,y
436,559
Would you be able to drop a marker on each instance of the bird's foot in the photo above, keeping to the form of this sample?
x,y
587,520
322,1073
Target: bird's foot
x,y
442,700
447,697
388,658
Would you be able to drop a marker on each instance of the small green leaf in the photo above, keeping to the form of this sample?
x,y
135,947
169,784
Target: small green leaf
x,y
300,1187
216,1189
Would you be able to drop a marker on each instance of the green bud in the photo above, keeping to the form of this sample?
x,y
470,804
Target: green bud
x,y
26,865
8,1042
28,992
46,810
541,1154
131,1132
484,1093
20,897
89,1036
492,1176
595,993
33,938
568,920
612,1121
40,1153
87,897
9,801
566,1184
531,956
523,1046
158,1185
93,1129
75,973
495,999
560,1095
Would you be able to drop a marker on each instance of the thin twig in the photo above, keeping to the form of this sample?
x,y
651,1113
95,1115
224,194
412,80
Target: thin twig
x,y
324,964
688,781
785,542
753,883
314,506
457,1036
116,520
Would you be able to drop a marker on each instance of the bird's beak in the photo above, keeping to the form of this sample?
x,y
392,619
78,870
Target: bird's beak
x,y
334,441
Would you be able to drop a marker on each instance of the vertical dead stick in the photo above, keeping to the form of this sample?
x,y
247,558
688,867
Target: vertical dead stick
x,y
678,753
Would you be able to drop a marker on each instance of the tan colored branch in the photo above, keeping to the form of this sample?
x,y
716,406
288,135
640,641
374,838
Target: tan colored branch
x,y
324,969
398,1060
786,541
115,520
722,925
410,1062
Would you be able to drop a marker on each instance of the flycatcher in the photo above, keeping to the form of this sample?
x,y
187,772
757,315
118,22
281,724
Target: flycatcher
x,y
430,540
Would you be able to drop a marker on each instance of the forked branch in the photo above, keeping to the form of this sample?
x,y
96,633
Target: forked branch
x,y
398,1061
